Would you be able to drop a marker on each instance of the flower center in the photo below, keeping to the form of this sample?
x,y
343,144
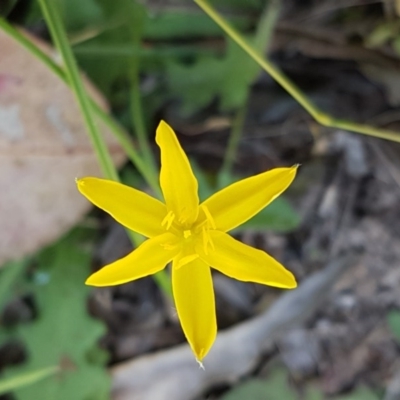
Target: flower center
x,y
197,234
168,220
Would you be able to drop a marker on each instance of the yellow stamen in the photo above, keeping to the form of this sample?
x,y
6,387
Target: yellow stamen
x,y
209,217
170,245
168,220
187,234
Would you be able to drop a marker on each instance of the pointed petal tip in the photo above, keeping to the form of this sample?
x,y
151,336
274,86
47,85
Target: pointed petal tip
x,y
292,285
201,365
198,320
201,352
285,284
80,182
162,128
91,281
162,123
287,280
290,282
294,168
97,281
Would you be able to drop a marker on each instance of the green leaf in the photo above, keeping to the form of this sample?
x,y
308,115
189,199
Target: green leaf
x,y
361,393
225,78
381,34
208,78
276,387
393,319
29,378
9,275
396,45
115,45
63,334
111,31
186,25
236,6
78,14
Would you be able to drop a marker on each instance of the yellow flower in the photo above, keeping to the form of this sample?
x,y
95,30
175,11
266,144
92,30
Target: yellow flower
x,y
191,235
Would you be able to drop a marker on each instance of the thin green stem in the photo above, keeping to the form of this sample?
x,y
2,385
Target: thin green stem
x,y
149,175
263,36
266,25
137,15
36,51
289,86
255,54
159,52
138,120
233,141
57,30
27,378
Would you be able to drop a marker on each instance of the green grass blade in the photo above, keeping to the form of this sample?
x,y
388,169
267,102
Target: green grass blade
x,y
29,378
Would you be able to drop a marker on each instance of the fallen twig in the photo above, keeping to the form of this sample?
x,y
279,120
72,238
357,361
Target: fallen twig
x,y
174,374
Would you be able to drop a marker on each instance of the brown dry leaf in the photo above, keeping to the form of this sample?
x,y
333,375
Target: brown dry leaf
x,y
43,148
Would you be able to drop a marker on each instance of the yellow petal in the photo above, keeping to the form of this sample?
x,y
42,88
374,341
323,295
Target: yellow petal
x,y
178,183
130,207
194,301
245,263
235,204
150,257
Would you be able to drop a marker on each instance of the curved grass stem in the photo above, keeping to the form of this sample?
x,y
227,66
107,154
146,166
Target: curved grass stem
x,y
59,36
264,31
320,116
73,77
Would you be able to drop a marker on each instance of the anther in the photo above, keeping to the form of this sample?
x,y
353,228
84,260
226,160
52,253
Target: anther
x,y
168,220
209,217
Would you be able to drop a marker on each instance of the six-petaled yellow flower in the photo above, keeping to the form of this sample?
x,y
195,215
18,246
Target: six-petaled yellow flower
x,y
191,235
